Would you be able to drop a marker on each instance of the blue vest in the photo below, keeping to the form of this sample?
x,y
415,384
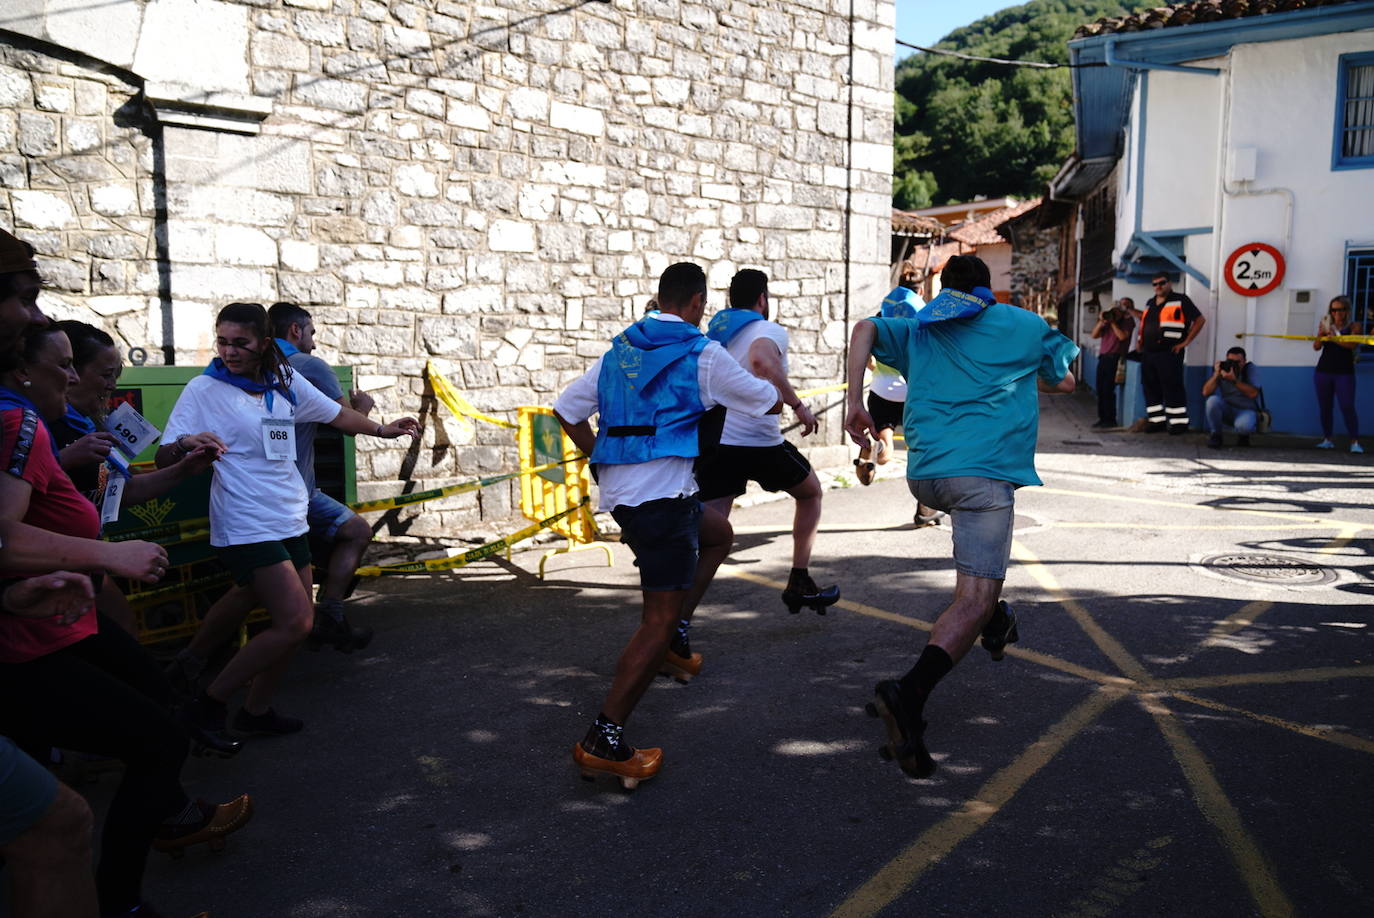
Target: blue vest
x,y
648,395
728,322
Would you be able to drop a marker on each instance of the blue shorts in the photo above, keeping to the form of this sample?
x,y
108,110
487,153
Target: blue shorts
x,y
981,511
27,789
325,515
664,534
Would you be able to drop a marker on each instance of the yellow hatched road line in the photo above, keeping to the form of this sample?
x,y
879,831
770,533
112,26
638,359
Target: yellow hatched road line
x,y
1291,516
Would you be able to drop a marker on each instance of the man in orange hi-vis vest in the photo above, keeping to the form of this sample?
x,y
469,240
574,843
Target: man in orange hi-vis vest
x,y
1170,321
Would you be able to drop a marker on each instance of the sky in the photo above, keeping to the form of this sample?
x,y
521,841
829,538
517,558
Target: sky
x,y
924,22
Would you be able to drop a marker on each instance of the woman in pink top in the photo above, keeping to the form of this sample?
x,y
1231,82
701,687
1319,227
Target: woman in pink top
x,y
85,683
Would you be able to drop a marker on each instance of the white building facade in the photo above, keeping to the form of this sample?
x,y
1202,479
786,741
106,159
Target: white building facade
x,y
1235,132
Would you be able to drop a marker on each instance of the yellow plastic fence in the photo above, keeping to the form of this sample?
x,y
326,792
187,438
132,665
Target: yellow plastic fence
x,y
550,491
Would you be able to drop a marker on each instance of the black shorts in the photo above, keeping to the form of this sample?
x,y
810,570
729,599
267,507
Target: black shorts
x,y
775,468
664,535
885,412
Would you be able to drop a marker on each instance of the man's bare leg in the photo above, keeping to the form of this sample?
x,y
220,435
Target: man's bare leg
x,y
50,863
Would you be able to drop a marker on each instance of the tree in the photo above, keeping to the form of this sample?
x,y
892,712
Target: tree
x,y
969,128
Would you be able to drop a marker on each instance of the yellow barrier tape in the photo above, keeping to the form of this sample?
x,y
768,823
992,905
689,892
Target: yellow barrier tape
x,y
468,557
195,530
454,401
835,388
143,597
1339,339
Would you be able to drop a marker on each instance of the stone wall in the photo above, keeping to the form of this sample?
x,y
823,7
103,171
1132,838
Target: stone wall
x,y
494,187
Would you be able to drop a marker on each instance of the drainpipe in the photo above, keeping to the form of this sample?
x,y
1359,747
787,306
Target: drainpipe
x,y
1131,64
1224,190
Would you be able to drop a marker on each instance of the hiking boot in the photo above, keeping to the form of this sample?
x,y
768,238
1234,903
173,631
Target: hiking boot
x,y
268,723
1000,631
905,730
802,591
335,631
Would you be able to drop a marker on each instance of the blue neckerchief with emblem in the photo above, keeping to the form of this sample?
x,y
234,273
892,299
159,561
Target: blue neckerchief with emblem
x,y
217,370
901,303
11,399
728,322
955,304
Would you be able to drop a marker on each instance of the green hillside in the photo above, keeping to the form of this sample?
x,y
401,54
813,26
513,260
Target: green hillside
x,y
965,128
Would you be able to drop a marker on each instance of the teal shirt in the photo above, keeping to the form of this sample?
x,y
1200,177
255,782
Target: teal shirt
x,y
971,405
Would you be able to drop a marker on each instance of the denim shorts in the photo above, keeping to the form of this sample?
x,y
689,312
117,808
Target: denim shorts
x,y
325,515
981,511
664,534
27,789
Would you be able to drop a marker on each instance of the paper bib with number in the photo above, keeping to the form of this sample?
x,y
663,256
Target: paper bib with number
x,y
279,438
131,430
109,504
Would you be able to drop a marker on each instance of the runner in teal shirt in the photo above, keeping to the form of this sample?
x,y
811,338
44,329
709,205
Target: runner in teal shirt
x,y
973,368
972,407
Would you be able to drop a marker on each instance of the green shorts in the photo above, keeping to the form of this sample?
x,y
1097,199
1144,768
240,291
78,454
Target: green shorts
x,y
243,560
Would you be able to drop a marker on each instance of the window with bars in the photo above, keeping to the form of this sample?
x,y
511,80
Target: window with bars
x,y
1354,141
1359,286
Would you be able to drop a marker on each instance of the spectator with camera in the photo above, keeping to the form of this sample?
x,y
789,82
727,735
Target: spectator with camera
x,y
1113,333
1232,393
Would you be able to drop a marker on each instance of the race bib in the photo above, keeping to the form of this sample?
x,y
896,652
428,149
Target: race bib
x,y
279,438
109,504
131,430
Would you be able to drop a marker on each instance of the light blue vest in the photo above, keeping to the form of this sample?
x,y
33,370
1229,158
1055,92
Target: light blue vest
x,y
648,396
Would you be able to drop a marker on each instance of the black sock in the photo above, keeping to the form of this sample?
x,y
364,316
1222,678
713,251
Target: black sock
x,y
932,666
681,644
603,740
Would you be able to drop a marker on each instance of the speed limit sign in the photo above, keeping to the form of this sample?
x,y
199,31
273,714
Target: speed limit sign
x,y
1254,269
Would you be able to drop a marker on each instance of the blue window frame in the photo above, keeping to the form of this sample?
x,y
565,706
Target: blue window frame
x,y
1353,147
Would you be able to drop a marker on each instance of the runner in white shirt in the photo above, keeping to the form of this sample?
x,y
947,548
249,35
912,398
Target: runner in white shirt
x,y
650,391
246,405
753,449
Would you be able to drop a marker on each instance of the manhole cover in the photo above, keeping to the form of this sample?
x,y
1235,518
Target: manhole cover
x,y
1272,569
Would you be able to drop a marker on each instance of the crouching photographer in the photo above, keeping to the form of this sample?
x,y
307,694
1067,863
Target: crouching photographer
x,y
1232,393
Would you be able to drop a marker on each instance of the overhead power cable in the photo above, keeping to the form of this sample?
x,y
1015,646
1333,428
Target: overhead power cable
x,y
1037,65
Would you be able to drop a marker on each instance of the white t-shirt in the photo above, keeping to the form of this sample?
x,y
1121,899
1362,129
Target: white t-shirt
x,y
742,429
252,498
722,382
887,383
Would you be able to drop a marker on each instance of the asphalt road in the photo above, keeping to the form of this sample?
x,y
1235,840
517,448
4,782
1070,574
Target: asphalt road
x,y
1166,739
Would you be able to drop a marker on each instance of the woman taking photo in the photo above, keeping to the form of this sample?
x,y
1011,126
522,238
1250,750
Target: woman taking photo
x,y
86,684
247,404
1335,374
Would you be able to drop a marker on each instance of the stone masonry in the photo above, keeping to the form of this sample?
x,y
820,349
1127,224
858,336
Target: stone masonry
x,y
494,186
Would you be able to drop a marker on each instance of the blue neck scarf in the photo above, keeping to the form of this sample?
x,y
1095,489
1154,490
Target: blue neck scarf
x,y
286,347
11,399
955,304
217,370
78,421
901,303
728,322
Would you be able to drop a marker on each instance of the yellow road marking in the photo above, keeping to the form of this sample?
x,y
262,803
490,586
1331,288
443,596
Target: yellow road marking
x,y
1034,656
1241,618
1155,502
902,872
1175,527
1254,867
1341,540
1109,645
1349,741
1315,674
